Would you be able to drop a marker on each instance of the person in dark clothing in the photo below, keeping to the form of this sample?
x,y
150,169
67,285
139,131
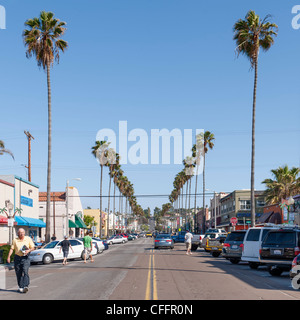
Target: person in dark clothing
x,y
65,245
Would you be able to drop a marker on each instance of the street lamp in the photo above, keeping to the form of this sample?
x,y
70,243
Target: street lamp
x,y
290,202
66,229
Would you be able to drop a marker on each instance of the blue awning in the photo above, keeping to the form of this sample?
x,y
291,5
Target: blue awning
x,y
30,222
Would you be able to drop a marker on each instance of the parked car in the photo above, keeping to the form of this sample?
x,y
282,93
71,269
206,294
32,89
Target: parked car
x,y
252,244
233,246
295,272
131,237
116,239
163,240
50,252
279,249
142,235
99,244
149,234
215,245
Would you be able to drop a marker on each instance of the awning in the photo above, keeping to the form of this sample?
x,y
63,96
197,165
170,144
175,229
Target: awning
x,y
72,224
30,222
79,222
265,217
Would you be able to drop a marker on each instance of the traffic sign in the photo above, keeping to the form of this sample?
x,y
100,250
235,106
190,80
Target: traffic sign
x,y
233,221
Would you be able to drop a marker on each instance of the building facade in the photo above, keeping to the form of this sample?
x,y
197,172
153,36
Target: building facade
x,y
238,204
19,204
66,213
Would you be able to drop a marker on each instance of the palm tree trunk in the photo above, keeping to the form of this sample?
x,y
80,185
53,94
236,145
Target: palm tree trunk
x,y
108,205
101,176
195,213
253,149
114,210
204,216
47,236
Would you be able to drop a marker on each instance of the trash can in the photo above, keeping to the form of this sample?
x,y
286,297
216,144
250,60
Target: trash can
x,y
1,256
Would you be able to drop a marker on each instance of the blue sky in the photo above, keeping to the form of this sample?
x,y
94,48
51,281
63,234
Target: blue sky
x,y
156,64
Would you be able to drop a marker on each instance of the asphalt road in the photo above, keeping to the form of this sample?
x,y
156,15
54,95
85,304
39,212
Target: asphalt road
x,y
135,271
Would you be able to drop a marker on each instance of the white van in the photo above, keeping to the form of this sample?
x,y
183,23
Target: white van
x,y
252,244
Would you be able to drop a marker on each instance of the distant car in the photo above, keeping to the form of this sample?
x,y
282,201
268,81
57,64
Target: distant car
x,y
142,235
163,240
149,234
50,252
116,239
131,237
179,236
233,246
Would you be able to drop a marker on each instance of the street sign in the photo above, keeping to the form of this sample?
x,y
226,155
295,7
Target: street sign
x,y
234,221
10,222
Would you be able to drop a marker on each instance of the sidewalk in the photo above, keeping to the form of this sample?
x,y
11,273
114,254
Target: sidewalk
x,y
8,266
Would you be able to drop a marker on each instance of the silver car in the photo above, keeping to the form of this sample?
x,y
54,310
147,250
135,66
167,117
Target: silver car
x,y
163,240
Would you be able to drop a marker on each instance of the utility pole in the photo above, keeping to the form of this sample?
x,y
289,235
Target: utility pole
x,y
29,137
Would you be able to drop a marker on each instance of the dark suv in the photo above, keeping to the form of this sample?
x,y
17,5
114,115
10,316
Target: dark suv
x,y
279,248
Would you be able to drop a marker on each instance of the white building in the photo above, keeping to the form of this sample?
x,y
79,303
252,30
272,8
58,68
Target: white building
x,y
63,204
23,197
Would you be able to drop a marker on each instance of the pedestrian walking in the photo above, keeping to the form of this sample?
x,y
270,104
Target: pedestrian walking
x,y
22,245
87,243
188,242
65,246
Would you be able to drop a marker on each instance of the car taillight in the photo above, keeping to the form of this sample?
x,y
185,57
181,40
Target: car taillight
x,y
226,245
259,251
242,245
156,240
169,240
297,251
200,238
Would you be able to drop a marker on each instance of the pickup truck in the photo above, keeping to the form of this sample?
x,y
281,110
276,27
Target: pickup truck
x,y
215,245
196,241
179,236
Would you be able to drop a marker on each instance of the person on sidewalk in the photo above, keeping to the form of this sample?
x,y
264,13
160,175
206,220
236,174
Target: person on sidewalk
x,y
87,243
22,246
188,242
65,246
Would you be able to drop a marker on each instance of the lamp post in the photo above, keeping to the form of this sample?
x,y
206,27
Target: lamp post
x,y
66,228
215,207
290,202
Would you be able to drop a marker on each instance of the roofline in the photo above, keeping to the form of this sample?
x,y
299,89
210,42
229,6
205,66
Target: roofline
x,y
28,182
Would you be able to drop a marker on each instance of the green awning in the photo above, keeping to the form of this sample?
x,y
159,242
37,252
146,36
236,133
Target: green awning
x,y
72,224
79,222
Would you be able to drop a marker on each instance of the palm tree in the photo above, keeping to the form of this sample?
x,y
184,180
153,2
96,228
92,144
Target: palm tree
x,y
250,35
42,40
208,143
99,150
285,184
3,150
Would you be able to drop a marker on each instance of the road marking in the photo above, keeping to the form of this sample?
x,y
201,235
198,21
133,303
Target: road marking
x,y
151,288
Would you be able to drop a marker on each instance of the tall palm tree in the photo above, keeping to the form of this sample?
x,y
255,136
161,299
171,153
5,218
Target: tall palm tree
x,y
3,150
99,150
43,40
286,183
208,142
250,35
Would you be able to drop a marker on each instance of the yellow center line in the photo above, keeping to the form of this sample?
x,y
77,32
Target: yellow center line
x,y
151,288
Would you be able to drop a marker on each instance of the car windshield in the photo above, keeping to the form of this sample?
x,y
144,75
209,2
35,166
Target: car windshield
x,y
163,236
51,245
280,238
236,236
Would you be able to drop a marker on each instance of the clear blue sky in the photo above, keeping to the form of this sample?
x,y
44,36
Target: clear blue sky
x,y
157,64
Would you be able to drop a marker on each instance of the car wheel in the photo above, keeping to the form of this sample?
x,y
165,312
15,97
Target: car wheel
x,y
110,242
215,254
234,261
274,271
194,247
82,256
123,241
253,265
48,258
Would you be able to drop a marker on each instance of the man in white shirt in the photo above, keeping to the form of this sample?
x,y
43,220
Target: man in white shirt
x,y
188,242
